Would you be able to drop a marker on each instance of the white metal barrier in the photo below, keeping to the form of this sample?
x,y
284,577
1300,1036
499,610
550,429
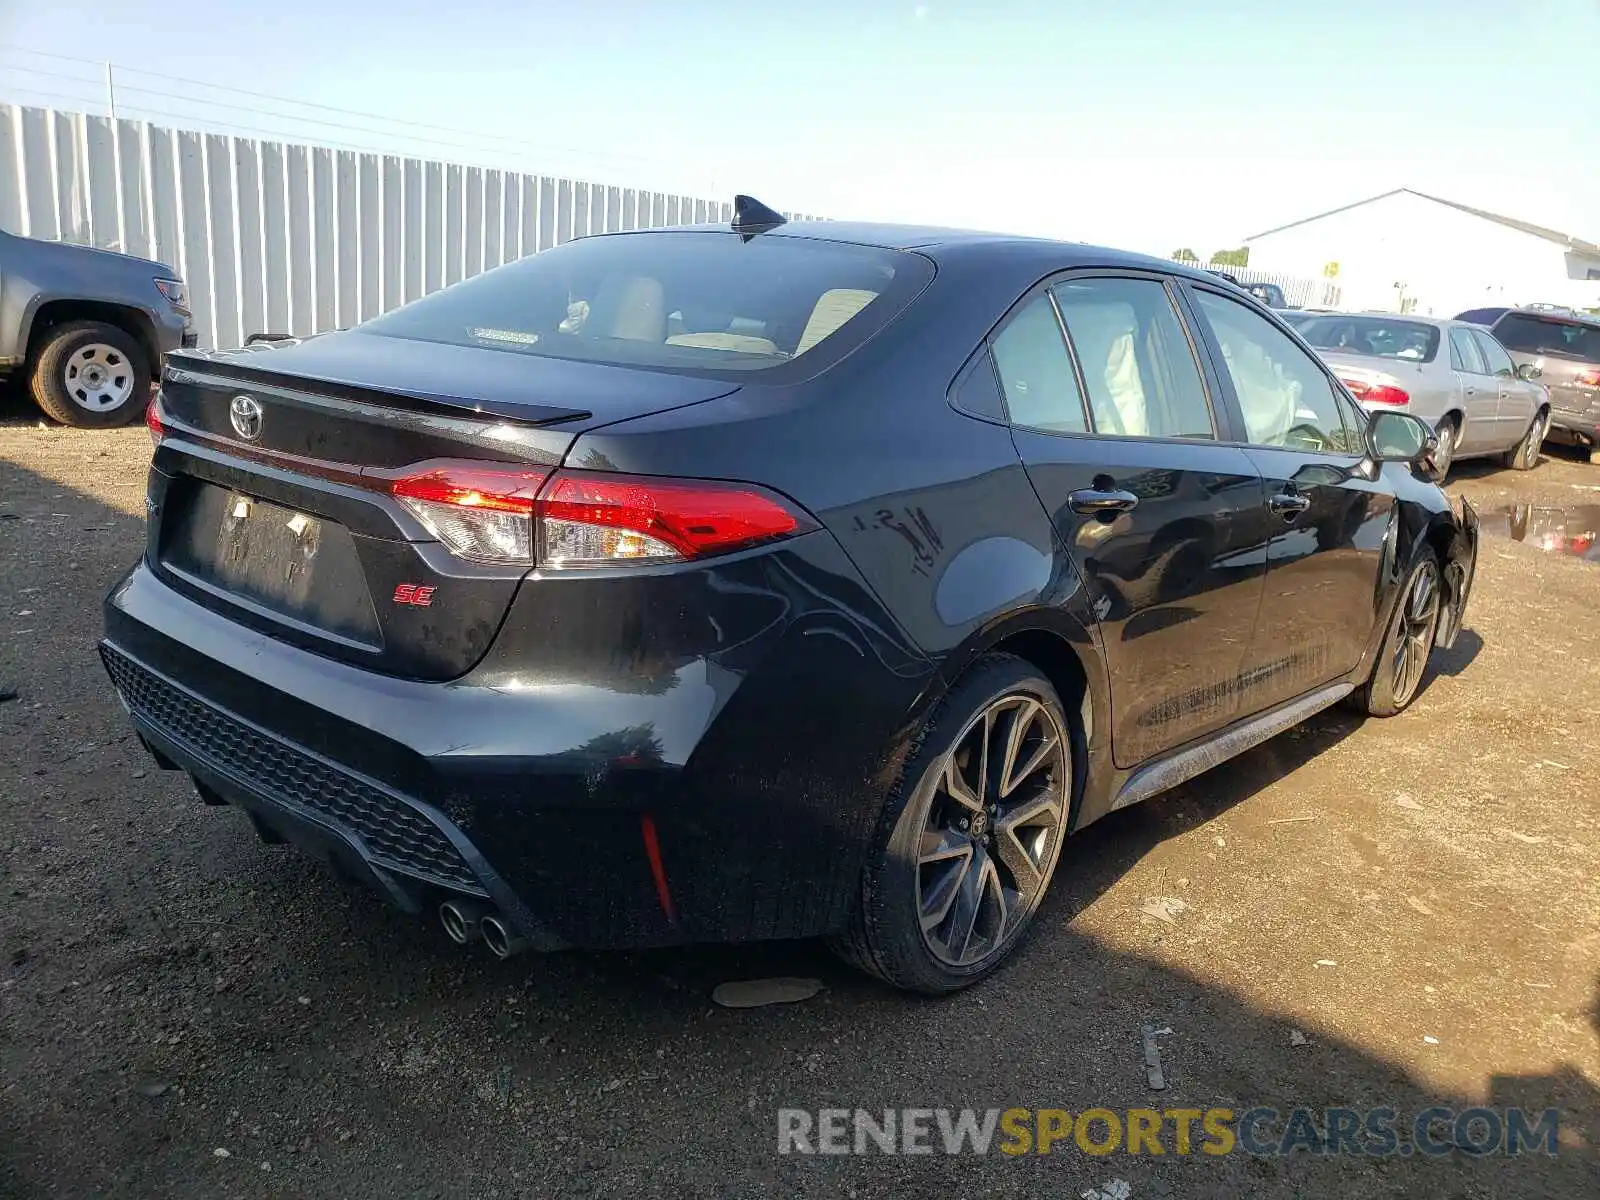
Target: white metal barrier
x,y
289,237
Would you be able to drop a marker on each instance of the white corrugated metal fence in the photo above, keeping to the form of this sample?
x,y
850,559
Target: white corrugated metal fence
x,y
1298,290
286,237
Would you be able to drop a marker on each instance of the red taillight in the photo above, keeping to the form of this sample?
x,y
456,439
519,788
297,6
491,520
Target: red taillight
x,y
508,491
594,520
1589,379
1376,393
152,420
480,513
488,513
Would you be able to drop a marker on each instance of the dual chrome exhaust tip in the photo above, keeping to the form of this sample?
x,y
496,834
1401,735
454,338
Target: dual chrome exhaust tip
x,y
465,921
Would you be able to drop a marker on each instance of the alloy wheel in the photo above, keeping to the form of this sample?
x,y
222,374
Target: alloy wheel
x,y
98,377
1446,453
1534,441
1419,620
992,830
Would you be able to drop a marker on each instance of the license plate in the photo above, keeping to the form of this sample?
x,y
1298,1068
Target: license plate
x,y
267,549
271,556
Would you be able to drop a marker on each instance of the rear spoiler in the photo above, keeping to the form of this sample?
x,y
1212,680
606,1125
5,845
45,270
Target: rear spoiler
x,y
191,366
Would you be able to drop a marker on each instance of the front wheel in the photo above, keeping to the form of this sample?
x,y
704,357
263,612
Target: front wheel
x,y
1407,644
92,375
970,837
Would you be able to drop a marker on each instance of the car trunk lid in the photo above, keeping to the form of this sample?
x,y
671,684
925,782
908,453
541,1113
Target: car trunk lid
x,y
271,493
1367,376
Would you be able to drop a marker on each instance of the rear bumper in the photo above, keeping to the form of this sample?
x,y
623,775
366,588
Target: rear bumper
x,y
533,792
402,848
1576,427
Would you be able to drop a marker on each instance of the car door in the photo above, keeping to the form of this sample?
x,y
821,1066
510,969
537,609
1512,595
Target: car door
x,y
1328,518
1165,522
1477,390
1516,404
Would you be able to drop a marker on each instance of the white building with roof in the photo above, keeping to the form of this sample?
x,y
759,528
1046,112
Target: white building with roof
x,y
1410,252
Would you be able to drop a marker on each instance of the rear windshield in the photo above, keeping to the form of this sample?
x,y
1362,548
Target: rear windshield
x,y
1544,335
1375,337
692,301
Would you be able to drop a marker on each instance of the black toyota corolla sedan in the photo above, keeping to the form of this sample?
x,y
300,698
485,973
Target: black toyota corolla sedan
x,y
780,580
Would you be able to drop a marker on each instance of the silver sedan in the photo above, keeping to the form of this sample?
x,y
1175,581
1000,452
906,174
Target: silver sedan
x,y
1453,375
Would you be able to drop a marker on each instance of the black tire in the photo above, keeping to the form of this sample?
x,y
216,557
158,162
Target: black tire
x,y
885,936
1392,687
53,391
1524,456
1449,434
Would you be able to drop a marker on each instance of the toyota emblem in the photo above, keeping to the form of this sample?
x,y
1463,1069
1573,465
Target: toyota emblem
x,y
245,414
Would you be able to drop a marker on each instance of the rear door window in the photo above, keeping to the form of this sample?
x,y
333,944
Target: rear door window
x,y
1137,364
1464,353
1036,373
1494,354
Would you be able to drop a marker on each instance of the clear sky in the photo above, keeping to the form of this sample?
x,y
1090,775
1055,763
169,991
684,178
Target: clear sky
x,y
1150,124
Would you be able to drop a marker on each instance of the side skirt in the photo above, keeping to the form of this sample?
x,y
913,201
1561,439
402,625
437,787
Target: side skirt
x,y
1169,772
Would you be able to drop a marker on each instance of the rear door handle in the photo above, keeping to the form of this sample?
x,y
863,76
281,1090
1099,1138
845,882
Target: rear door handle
x,y
1288,505
1093,502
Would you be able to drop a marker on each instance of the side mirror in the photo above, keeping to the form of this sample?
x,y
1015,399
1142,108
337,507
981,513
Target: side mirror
x,y
1400,437
1528,371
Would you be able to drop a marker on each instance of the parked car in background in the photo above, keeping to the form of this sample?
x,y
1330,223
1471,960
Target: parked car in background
x,y
87,327
1269,294
1452,374
1564,347
813,580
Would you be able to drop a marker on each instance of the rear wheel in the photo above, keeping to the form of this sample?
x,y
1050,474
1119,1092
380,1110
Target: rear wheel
x,y
92,375
1408,643
1524,456
969,839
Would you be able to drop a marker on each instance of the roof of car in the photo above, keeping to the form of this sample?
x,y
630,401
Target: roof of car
x,y
1448,322
1546,312
1413,318
933,238
891,236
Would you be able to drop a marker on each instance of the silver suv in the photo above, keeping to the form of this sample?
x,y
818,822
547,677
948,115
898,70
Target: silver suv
x,y
88,327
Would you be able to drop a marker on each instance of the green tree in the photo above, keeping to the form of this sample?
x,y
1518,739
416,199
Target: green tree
x,y
1184,254
1232,258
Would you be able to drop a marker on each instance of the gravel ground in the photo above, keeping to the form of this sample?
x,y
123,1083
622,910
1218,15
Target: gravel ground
x,y
1373,913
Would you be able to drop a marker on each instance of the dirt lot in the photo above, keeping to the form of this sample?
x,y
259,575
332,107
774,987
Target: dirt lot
x,y
184,1012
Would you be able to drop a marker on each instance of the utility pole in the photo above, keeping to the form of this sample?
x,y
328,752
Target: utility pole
x,y
111,95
